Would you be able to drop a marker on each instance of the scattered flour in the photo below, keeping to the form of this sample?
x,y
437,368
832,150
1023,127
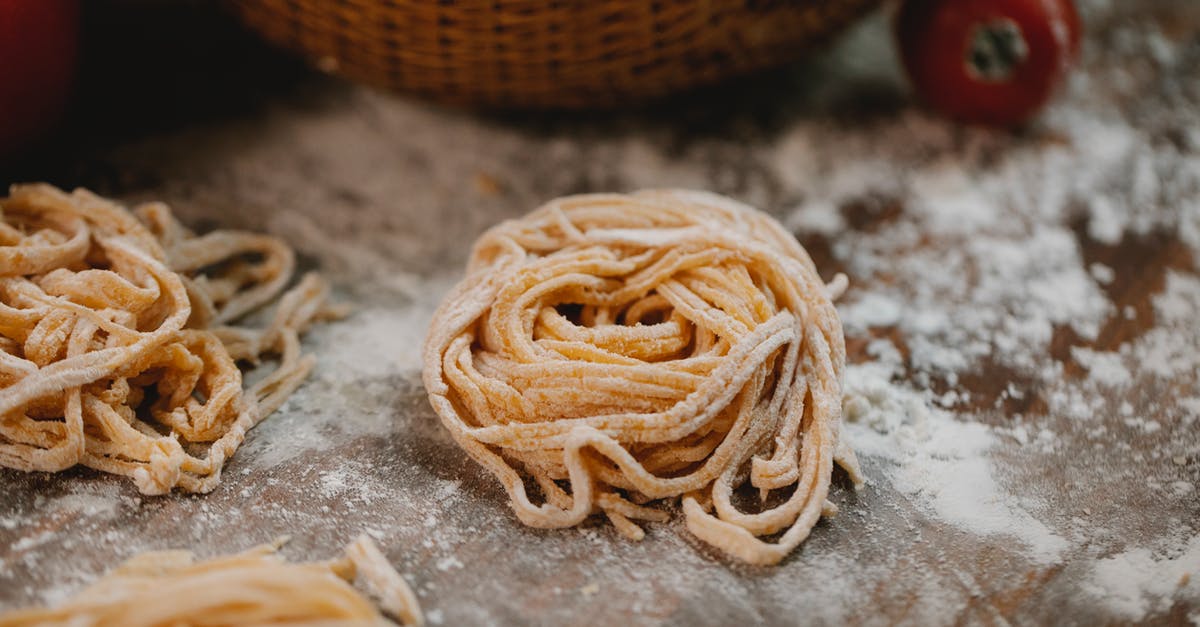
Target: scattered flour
x,y
1106,225
449,489
380,341
1138,582
449,562
987,268
1103,367
938,461
871,310
1102,273
983,268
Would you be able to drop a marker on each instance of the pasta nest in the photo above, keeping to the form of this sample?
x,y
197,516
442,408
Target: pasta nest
x,y
609,351
117,348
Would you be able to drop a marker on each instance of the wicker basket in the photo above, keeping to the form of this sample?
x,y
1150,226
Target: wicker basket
x,y
546,53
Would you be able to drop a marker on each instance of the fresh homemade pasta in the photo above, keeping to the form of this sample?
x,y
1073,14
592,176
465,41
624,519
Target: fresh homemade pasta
x,y
608,352
118,348
170,588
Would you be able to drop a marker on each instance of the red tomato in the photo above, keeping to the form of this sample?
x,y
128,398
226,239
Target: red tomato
x,y
39,40
991,62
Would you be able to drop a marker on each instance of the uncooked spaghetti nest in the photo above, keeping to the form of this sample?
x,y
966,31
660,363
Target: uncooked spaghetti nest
x,y
616,350
169,588
117,349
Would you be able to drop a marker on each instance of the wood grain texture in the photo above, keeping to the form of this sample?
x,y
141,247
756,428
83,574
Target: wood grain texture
x,y
384,195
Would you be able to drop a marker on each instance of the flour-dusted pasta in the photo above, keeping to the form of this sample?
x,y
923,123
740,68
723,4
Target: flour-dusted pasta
x,y
170,588
616,350
116,345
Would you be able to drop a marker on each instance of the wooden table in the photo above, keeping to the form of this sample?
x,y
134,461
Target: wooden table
x,y
1089,483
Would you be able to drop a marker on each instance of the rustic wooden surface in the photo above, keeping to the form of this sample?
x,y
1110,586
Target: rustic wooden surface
x,y
385,194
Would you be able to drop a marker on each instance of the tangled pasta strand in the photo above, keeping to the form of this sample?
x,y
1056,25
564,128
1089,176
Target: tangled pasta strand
x,y
116,348
621,349
168,588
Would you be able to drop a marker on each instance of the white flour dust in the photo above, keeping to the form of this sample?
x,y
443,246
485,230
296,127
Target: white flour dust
x,y
939,461
1140,581
990,403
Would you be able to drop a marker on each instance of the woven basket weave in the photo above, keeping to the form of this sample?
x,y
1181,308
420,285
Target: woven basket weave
x,y
546,53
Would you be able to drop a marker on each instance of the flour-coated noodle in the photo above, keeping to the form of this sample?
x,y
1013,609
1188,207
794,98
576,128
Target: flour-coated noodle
x,y
616,350
116,345
171,589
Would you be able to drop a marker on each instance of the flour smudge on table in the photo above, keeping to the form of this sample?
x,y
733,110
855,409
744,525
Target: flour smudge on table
x,y
1027,419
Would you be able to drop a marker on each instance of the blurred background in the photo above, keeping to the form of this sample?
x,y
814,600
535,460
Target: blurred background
x,y
145,66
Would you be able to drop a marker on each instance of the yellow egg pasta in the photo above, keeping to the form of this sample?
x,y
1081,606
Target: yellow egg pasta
x,y
608,352
170,589
117,344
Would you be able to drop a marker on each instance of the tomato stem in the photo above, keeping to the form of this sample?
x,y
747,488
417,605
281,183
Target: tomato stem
x,y
994,50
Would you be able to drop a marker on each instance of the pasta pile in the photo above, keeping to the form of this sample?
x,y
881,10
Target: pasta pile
x,y
169,588
617,350
116,345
